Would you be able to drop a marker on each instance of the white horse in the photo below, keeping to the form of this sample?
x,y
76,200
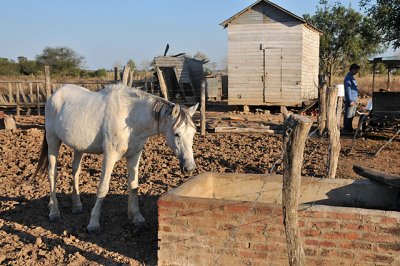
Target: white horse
x,y
117,122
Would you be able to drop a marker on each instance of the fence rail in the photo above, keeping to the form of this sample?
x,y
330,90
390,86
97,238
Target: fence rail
x,y
33,94
26,95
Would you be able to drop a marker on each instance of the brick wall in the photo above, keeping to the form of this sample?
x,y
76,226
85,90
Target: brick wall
x,y
200,231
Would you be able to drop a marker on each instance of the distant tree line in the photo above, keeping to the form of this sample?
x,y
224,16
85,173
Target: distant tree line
x,y
350,36
63,61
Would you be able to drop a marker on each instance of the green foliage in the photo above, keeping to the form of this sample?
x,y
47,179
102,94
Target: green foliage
x,y
348,36
28,67
132,64
62,60
386,15
100,73
8,67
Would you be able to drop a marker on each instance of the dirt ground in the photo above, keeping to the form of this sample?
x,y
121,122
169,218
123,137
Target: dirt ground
x,y
27,237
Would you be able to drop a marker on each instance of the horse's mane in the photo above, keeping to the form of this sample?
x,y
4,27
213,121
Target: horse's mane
x,y
160,106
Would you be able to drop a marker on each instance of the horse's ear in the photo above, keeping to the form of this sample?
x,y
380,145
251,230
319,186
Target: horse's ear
x,y
193,109
176,110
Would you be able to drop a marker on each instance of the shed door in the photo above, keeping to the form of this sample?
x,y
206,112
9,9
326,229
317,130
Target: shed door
x,y
272,75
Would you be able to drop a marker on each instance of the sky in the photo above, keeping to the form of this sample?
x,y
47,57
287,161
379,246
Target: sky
x,y
109,33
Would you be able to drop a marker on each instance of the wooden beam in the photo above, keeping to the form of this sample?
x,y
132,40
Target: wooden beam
x,y
322,108
266,130
377,176
163,85
47,81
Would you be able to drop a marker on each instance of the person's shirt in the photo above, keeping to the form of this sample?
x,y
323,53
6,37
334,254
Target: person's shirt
x,y
350,88
369,106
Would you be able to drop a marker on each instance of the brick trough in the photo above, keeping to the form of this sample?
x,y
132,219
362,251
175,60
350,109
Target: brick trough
x,y
236,219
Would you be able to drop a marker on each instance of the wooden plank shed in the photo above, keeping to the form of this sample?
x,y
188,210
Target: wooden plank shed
x,y
180,77
273,57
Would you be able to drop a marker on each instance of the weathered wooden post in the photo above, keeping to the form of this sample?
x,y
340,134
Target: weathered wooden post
x,y
47,81
130,82
18,100
322,108
339,108
125,75
31,97
163,85
116,75
203,109
38,98
333,131
10,93
296,129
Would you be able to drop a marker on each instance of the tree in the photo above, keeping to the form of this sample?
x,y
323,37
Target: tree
x,y
348,36
132,64
27,67
62,60
209,67
8,67
201,56
386,15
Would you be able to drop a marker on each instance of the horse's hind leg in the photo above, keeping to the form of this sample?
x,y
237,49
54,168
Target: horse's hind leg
x,y
76,170
54,146
133,184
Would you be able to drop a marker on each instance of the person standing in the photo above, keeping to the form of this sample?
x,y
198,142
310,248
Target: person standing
x,y
350,98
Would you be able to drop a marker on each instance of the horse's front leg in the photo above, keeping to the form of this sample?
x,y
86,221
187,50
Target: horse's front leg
x,y
109,160
133,184
76,170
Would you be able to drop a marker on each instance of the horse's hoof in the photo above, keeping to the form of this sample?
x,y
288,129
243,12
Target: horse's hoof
x,y
93,229
55,217
77,209
139,227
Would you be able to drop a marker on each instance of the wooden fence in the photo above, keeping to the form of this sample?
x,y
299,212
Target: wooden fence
x,y
33,94
28,95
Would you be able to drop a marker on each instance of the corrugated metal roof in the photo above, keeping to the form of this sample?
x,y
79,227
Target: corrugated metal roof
x,y
229,20
390,61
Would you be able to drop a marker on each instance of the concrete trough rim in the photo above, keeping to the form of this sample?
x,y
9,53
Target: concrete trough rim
x,y
184,190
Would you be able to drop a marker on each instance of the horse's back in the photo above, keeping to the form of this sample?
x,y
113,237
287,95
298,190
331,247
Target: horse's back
x,y
75,115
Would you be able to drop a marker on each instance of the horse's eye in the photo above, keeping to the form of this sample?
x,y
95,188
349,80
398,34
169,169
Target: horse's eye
x,y
176,135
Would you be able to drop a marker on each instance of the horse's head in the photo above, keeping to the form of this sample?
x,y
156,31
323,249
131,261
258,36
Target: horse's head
x,y
179,135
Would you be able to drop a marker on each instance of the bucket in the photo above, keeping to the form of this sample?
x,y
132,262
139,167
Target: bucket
x,y
340,88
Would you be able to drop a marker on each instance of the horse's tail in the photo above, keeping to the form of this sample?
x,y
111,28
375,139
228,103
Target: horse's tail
x,y
43,161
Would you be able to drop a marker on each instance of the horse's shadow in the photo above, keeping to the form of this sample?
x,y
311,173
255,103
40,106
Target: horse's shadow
x,y
117,234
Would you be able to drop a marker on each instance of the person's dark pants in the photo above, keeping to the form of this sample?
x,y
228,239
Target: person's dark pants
x,y
349,113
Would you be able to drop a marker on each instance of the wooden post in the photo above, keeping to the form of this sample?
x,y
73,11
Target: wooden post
x,y
38,98
47,81
203,109
339,110
116,75
161,80
296,129
333,131
130,82
322,108
10,93
17,101
152,87
31,96
125,75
